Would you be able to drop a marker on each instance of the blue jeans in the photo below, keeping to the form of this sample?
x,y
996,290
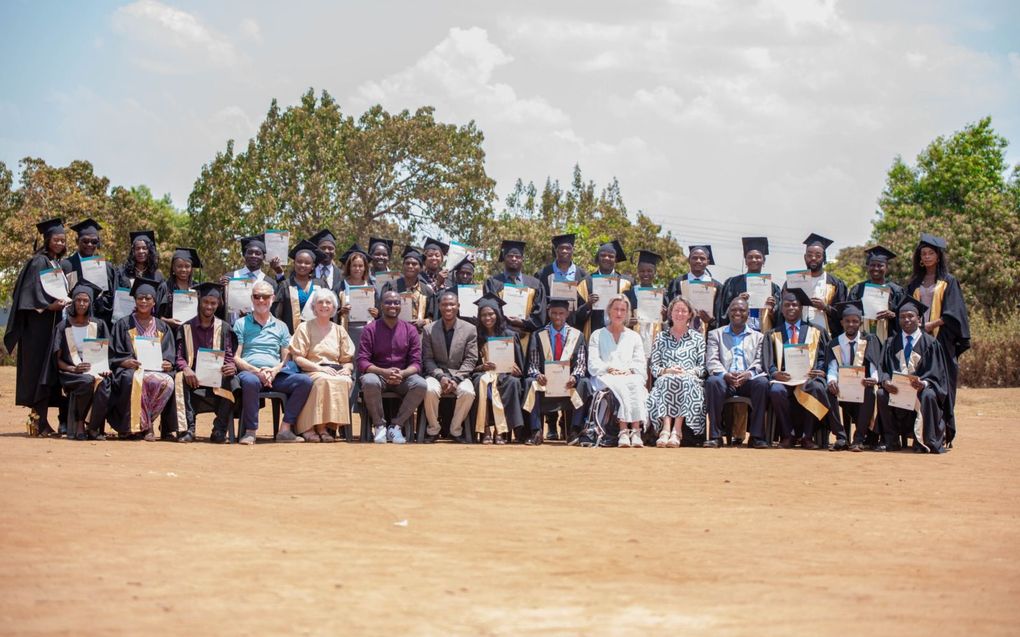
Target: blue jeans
x,y
296,386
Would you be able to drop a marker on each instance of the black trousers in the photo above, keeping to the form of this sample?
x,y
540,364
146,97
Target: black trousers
x,y
793,420
202,401
861,415
900,422
716,393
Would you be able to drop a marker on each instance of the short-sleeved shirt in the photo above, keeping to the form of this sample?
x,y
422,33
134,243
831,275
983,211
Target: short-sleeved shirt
x,y
260,344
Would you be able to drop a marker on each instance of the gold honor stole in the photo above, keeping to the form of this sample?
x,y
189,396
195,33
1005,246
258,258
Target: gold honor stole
x,y
295,306
806,400
529,304
489,379
862,346
582,291
341,299
189,354
137,379
685,291
573,336
915,358
935,312
72,348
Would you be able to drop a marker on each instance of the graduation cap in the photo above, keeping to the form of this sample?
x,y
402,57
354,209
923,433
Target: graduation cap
x,y
707,249
613,246
799,294
149,235
189,254
491,300
374,241
932,241
850,308
88,228
910,302
557,301
86,287
817,240
560,239
463,263
878,253
322,235
508,245
761,244
436,244
412,252
646,256
209,288
306,246
255,241
354,249
144,286
50,226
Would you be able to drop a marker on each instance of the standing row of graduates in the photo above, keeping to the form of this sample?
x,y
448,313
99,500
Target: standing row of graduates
x,y
35,315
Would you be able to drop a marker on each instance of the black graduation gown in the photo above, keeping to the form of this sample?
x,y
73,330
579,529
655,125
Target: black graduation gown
x,y
541,348
816,403
675,289
536,317
507,385
883,328
429,310
546,276
91,395
953,337
734,287
166,309
32,332
930,434
122,349
835,292
588,320
868,355
102,305
286,305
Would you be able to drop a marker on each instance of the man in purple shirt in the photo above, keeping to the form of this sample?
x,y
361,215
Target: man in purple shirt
x,y
389,359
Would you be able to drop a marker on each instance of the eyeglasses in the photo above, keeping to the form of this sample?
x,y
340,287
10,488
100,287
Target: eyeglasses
x,y
391,302
261,297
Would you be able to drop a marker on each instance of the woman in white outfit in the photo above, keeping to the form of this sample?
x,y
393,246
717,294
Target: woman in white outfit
x,y
617,362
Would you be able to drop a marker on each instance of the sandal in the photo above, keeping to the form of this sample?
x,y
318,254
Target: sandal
x,y
499,440
326,437
487,439
663,440
311,436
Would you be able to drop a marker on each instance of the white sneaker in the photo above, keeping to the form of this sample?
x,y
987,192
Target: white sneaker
x,y
396,435
635,438
624,439
379,434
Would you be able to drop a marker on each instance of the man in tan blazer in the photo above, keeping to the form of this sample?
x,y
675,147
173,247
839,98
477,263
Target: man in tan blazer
x,y
449,355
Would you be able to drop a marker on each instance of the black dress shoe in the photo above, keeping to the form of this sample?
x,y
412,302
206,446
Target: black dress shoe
x,y
735,442
429,439
786,443
96,435
840,445
807,443
218,437
535,439
714,443
552,435
187,436
758,443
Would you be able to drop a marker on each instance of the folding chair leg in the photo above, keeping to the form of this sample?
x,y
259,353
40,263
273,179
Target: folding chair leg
x,y
276,417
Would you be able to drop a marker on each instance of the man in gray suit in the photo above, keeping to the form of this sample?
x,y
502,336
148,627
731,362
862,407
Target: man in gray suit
x,y
449,355
733,363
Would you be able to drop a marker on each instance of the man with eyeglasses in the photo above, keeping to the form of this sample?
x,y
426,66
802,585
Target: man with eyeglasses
x,y
389,359
88,246
262,362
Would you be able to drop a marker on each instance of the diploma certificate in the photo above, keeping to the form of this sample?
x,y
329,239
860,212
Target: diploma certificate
x,y
875,299
564,289
362,299
239,295
123,303
185,305
604,286
500,350
407,307
149,353
649,304
456,254
382,278
208,365
759,289
796,362
906,397
701,295
467,295
93,270
516,298
851,384
54,283
557,373
96,352
277,245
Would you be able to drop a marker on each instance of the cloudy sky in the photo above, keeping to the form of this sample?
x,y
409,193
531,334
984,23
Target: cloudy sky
x,y
719,117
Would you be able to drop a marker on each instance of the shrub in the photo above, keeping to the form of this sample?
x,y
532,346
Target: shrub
x,y
994,357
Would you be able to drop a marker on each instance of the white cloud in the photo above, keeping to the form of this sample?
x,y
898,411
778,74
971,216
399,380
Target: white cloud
x,y
170,40
250,29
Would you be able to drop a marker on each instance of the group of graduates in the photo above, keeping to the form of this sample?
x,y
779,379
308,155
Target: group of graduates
x,y
631,378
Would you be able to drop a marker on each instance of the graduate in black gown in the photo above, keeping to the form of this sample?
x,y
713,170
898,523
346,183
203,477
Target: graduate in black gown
x,y
587,318
914,351
329,268
946,317
759,319
30,327
432,271
424,304
291,302
828,290
564,269
799,409
647,271
89,244
183,264
498,394
354,274
877,262
699,257
88,389
143,261
511,255
379,252
855,348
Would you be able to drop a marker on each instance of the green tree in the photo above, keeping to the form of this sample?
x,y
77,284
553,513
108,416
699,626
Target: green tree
x,y
311,166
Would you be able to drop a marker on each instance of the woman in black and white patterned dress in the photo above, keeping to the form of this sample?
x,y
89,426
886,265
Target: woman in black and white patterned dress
x,y
678,366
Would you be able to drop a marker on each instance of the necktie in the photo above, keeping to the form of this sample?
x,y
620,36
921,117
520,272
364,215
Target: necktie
x,y
908,349
794,334
853,350
559,345
251,275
